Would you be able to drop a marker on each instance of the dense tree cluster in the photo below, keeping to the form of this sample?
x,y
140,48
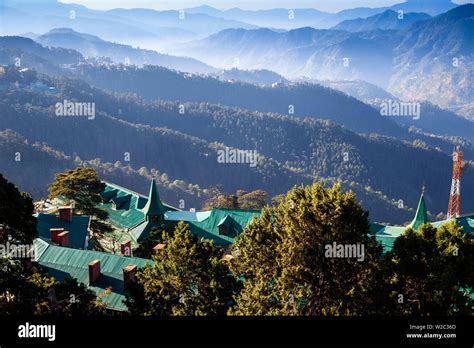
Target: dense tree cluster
x,y
283,258
30,291
17,223
429,272
189,278
283,266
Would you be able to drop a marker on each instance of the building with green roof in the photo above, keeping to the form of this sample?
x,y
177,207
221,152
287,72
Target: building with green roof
x,y
77,226
136,215
220,225
387,234
61,262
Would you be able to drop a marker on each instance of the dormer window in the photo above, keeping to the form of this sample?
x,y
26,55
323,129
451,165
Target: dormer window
x,y
225,225
223,230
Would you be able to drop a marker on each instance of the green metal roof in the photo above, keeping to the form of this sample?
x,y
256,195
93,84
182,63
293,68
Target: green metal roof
x,y
143,230
375,227
130,215
77,228
421,216
63,262
209,227
387,235
464,221
153,206
187,215
132,206
226,221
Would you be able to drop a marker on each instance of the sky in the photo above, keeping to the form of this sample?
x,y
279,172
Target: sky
x,y
324,5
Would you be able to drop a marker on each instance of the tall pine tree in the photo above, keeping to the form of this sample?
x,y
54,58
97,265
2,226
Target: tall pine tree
x,y
189,277
282,257
430,272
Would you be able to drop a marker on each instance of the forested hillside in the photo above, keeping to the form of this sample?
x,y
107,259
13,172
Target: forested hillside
x,y
184,145
20,160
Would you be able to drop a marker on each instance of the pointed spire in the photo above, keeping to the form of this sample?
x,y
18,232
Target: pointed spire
x,y
421,216
153,207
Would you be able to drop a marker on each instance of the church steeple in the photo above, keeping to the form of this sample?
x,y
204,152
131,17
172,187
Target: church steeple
x,y
154,209
421,216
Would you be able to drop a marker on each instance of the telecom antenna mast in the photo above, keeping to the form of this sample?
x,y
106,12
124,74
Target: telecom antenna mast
x,y
453,207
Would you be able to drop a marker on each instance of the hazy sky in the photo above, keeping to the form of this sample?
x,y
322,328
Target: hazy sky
x,y
325,5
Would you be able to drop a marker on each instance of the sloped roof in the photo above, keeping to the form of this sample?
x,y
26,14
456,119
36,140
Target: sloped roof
x,y
387,234
133,205
63,262
187,215
209,227
421,216
464,221
225,221
142,231
77,228
153,206
205,224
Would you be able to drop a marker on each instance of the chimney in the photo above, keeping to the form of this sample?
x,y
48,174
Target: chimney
x,y
94,271
129,275
54,233
126,248
158,247
63,239
65,213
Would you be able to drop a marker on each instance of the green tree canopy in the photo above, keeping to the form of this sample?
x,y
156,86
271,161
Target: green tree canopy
x,y
17,223
430,271
145,248
189,278
30,291
282,256
82,186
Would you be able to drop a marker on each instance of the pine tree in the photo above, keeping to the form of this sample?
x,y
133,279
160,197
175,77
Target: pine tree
x,y
282,257
30,291
429,272
17,223
82,186
189,277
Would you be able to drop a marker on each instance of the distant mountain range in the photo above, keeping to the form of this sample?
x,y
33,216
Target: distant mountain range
x,y
137,27
435,61
282,18
432,60
160,29
277,95
93,46
388,20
